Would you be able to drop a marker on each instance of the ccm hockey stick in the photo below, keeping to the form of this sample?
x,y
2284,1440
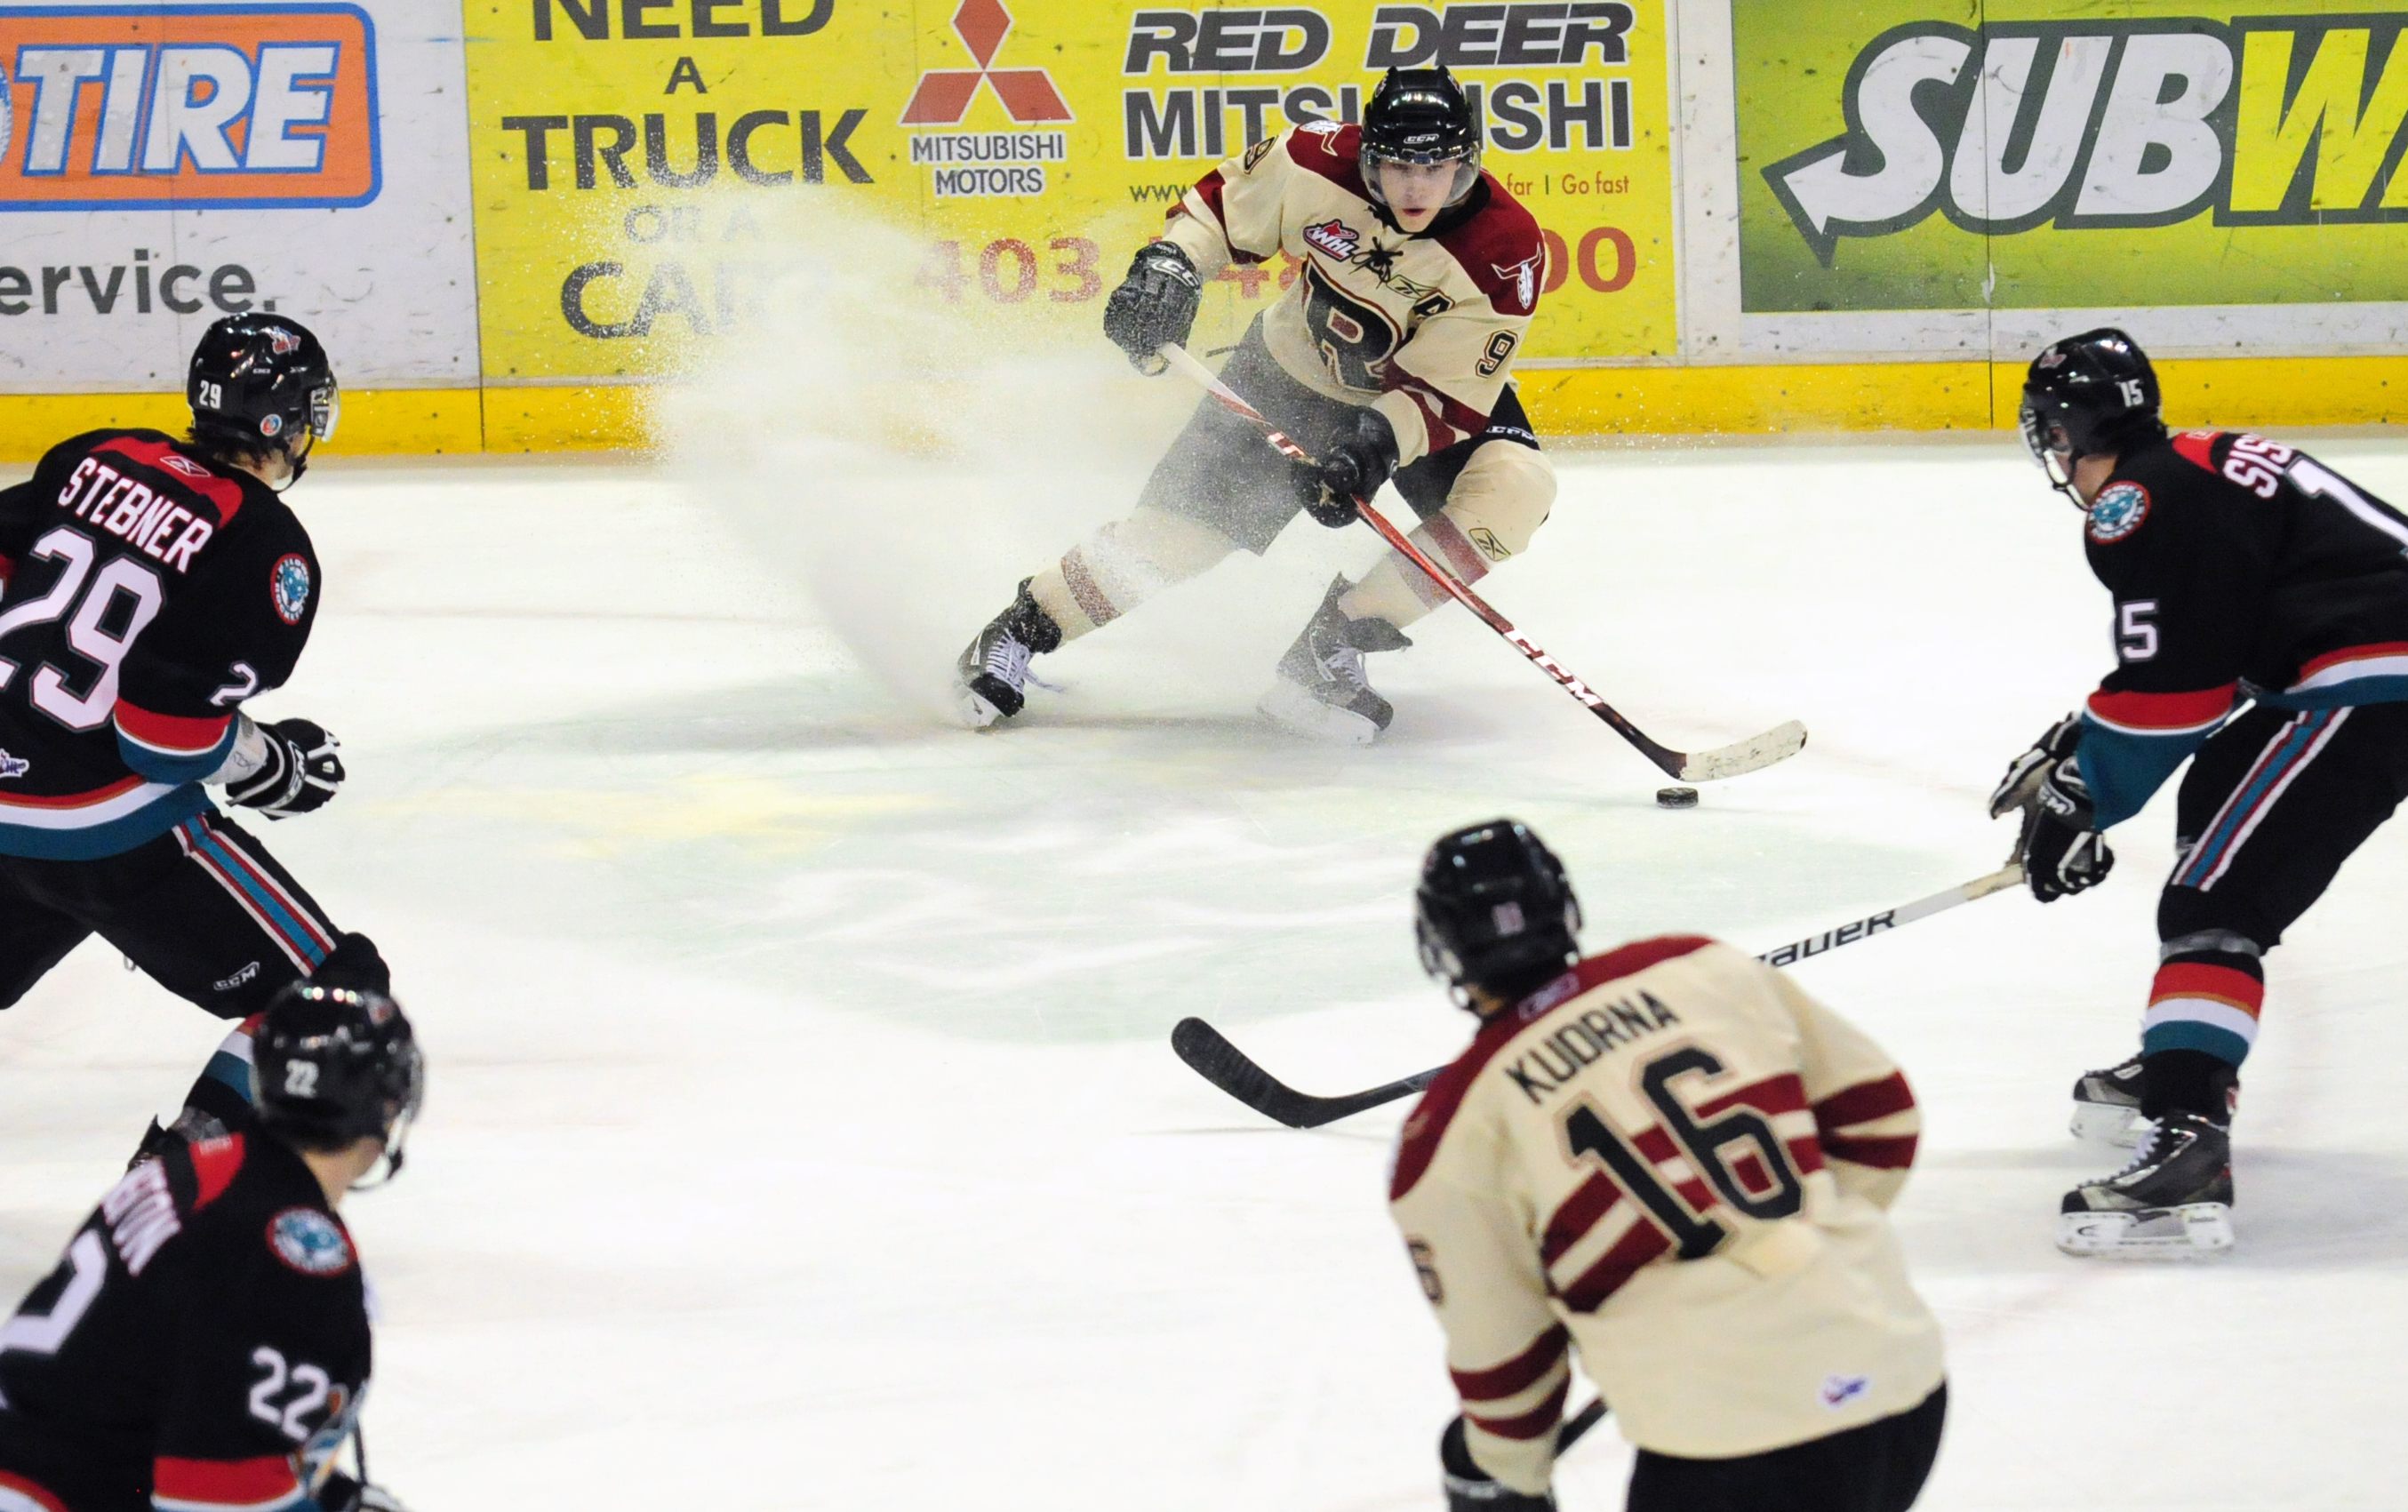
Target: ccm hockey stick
x,y
1209,1053
1776,745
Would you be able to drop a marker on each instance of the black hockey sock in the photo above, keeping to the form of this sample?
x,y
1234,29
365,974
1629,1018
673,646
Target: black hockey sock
x,y
2186,1081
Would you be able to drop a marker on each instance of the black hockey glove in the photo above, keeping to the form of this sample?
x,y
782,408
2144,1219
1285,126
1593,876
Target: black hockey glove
x,y
2026,773
1355,465
1469,1489
1155,303
2062,848
341,1494
302,772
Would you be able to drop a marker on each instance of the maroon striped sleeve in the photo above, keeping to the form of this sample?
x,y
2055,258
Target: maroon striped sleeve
x,y
1208,189
1864,1103
1893,1152
1538,1420
1518,1374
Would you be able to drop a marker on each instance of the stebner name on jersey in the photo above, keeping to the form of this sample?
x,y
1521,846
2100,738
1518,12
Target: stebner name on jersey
x,y
160,528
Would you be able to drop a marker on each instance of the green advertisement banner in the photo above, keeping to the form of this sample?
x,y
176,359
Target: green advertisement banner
x,y
1958,154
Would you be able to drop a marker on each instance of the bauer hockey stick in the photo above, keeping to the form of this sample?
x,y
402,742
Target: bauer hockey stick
x,y
1209,1053
1778,743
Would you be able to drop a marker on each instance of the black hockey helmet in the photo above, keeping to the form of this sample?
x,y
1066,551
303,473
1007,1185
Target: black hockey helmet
x,y
331,1065
1421,116
2084,394
257,382
1495,910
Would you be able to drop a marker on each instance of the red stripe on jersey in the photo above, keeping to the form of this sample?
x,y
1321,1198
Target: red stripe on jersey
x,y
222,492
1749,1172
2198,446
225,1482
1496,246
1519,1373
2175,712
73,800
172,732
1418,1144
1581,1212
8,565
1208,189
1883,1152
1536,1422
1772,1097
309,927
1336,155
2346,653
1864,1103
1806,1154
39,1495
1448,418
215,1164
1642,1244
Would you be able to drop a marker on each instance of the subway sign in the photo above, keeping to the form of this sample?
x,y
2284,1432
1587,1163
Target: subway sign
x,y
2080,124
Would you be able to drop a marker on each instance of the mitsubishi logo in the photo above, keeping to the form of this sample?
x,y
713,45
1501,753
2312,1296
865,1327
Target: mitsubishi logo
x,y
943,95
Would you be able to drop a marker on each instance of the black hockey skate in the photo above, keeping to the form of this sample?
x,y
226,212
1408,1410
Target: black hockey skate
x,y
2173,1202
2107,1104
1322,692
991,681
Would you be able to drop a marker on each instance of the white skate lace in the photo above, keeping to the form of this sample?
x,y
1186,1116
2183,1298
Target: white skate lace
x,y
1008,660
1344,664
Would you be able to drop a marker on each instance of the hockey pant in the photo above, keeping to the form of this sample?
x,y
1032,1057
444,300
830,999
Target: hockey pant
x,y
2273,805
1221,488
1879,1467
203,910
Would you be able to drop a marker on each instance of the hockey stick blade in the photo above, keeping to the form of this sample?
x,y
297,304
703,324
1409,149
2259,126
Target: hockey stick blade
x,y
1754,754
1209,1053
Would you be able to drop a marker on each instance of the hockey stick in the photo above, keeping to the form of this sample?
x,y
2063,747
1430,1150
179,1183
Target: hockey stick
x,y
1209,1053
1779,743
1891,918
1581,1422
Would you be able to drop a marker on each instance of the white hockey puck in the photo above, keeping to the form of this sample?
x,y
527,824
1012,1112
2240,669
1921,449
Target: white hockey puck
x,y
1676,797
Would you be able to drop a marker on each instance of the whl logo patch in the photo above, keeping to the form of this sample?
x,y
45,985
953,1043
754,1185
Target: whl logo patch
x,y
1334,237
2105,124
153,108
12,768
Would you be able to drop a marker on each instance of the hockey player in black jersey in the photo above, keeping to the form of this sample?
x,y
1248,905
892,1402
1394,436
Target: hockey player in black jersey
x,y
148,587
204,1345
2261,632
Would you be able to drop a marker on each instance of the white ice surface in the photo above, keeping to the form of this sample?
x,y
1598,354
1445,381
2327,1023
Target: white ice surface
x,y
802,1132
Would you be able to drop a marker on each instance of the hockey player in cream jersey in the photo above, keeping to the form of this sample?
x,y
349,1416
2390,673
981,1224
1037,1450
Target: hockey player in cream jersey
x,y
1668,1161
1390,356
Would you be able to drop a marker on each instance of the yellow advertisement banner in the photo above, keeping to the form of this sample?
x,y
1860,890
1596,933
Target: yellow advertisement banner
x,y
632,158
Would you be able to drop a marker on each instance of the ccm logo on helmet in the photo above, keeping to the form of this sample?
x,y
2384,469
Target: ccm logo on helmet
x,y
142,107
